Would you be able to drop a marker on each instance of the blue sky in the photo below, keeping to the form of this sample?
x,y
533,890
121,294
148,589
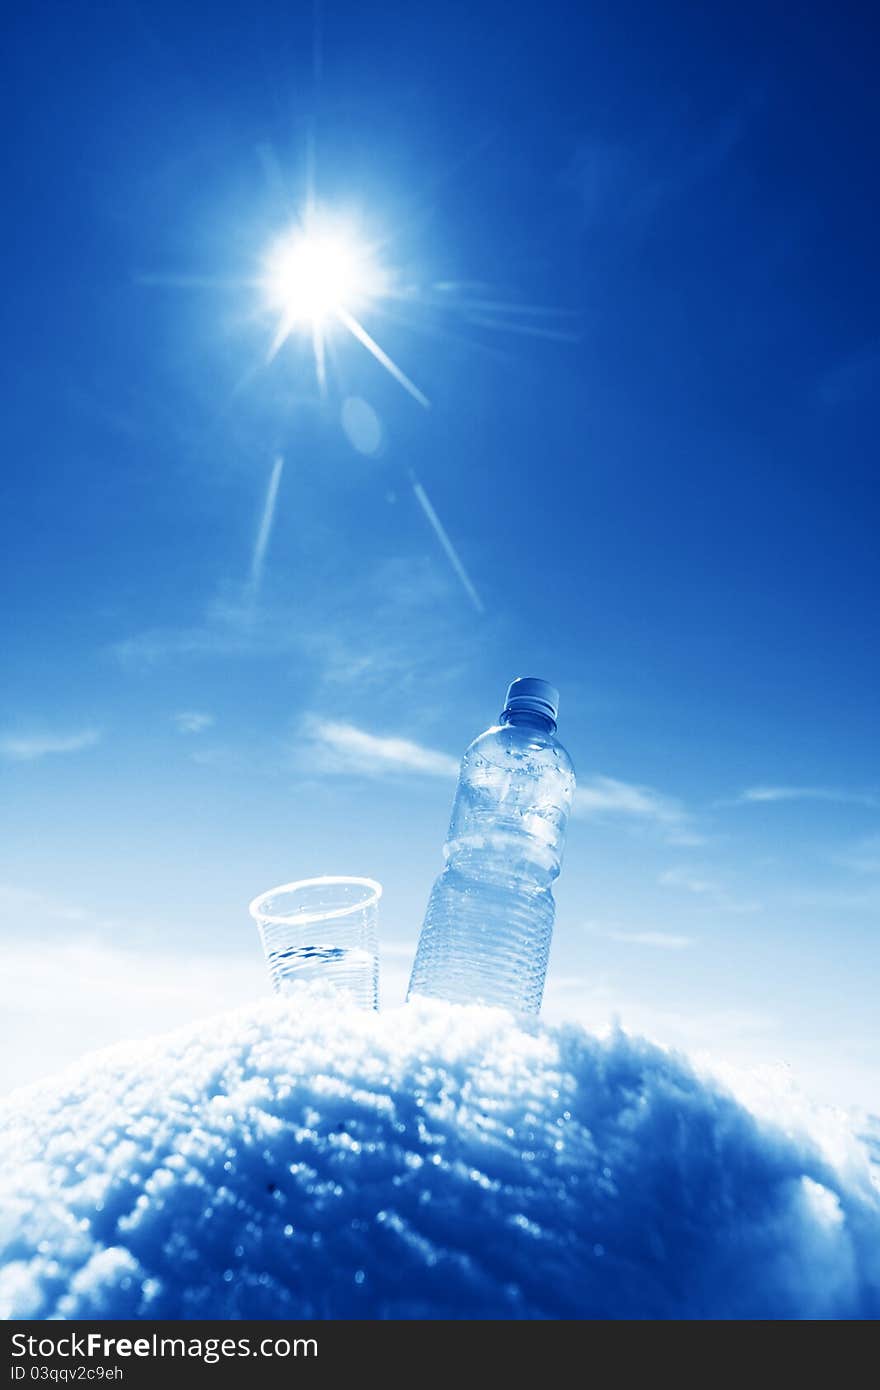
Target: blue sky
x,y
636,257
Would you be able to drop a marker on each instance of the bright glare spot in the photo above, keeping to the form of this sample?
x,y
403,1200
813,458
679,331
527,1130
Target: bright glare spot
x,y
362,425
319,276
313,275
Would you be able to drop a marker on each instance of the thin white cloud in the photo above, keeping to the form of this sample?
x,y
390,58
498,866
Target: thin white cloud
x,y
340,747
693,881
25,748
601,796
661,940
327,634
336,746
689,881
765,794
163,644
627,186
863,856
15,902
852,901
230,627
192,721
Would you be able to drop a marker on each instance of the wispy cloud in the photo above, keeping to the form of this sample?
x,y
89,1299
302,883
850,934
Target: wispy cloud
x,y
16,902
714,892
25,748
604,796
192,721
856,902
863,856
230,627
763,794
627,184
658,940
662,940
325,629
340,747
337,746
690,881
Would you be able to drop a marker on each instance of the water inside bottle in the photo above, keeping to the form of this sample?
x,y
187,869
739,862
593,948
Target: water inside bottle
x,y
487,929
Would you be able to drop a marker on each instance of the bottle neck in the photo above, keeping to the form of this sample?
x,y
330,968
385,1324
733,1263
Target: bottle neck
x,y
529,719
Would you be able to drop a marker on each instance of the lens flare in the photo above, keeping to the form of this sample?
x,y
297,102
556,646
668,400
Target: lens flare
x,y
319,277
312,275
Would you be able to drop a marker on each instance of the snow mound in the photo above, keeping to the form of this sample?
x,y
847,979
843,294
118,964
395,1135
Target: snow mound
x,y
297,1160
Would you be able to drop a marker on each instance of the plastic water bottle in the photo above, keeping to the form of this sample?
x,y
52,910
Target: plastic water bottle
x,y
486,934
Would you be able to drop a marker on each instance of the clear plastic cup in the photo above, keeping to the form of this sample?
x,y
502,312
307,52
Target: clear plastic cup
x,y
323,931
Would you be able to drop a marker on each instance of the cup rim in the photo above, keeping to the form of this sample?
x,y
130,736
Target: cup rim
x,y
300,918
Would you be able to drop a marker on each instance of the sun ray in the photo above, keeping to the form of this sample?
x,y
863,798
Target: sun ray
x,y
456,294
283,332
319,275
320,356
358,331
323,275
528,330
174,281
449,549
265,528
417,322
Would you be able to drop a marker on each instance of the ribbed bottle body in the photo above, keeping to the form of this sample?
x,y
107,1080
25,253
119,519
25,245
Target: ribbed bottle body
x,y
487,930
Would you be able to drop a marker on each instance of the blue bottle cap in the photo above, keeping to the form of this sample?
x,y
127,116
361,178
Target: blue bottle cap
x,y
531,694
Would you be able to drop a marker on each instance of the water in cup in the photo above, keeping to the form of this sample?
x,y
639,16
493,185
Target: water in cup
x,y
322,932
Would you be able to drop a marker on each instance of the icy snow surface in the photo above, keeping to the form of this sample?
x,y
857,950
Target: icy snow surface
x,y
297,1160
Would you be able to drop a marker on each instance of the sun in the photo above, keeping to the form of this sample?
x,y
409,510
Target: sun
x,y
314,275
320,276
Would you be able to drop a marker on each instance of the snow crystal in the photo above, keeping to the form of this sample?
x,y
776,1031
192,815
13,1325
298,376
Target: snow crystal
x,y
295,1160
